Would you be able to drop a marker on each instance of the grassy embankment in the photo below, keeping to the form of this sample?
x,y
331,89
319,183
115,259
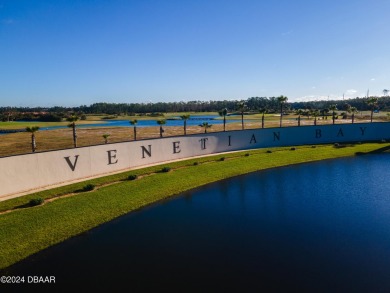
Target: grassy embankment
x,y
67,212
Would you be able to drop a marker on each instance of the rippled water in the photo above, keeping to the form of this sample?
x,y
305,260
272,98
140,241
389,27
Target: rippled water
x,y
317,227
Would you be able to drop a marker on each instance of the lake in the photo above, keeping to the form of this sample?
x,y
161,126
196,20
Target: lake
x,y
193,121
316,227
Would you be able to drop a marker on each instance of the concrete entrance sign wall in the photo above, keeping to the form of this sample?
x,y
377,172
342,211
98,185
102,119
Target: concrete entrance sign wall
x,y
27,172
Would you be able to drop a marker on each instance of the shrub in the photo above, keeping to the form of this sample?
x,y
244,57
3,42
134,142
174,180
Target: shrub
x,y
132,177
36,201
166,169
88,187
293,149
222,159
246,155
269,151
313,146
196,163
336,144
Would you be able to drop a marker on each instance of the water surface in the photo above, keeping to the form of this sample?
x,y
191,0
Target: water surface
x,y
193,121
317,227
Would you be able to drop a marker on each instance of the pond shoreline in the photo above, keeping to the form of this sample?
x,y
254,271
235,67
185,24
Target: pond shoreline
x,y
5,131
77,214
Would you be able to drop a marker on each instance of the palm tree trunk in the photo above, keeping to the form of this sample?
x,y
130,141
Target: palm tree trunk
x,y
315,120
185,127
205,129
74,135
281,114
224,122
299,120
242,120
353,118
135,133
161,131
333,118
33,143
262,121
372,113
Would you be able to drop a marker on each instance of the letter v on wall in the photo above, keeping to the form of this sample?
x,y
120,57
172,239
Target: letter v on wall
x,y
71,165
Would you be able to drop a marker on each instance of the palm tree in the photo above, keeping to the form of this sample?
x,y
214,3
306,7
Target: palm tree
x,y
105,136
308,113
9,114
241,107
372,102
223,113
333,108
185,118
347,107
263,111
72,119
32,130
205,125
299,112
353,110
316,113
161,122
324,112
134,122
386,92
282,100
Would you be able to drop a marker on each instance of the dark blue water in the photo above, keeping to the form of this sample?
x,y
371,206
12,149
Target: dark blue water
x,y
317,227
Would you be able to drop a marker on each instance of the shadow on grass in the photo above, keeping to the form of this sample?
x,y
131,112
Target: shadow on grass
x,y
32,203
377,151
344,145
164,170
22,206
78,190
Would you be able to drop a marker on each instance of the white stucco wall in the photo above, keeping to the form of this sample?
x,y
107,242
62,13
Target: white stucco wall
x,y
31,171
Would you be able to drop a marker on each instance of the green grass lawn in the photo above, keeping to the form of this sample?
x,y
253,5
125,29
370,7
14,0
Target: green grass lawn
x,y
27,230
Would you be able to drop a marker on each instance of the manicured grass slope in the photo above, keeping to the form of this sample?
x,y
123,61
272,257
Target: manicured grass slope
x,y
29,230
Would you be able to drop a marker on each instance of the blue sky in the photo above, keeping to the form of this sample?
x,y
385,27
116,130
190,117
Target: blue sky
x,y
70,53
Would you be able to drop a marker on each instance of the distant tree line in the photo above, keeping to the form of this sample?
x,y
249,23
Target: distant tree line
x,y
253,104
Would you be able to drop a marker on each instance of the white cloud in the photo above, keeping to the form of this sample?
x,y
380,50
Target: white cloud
x,y
372,79
350,94
315,98
305,99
